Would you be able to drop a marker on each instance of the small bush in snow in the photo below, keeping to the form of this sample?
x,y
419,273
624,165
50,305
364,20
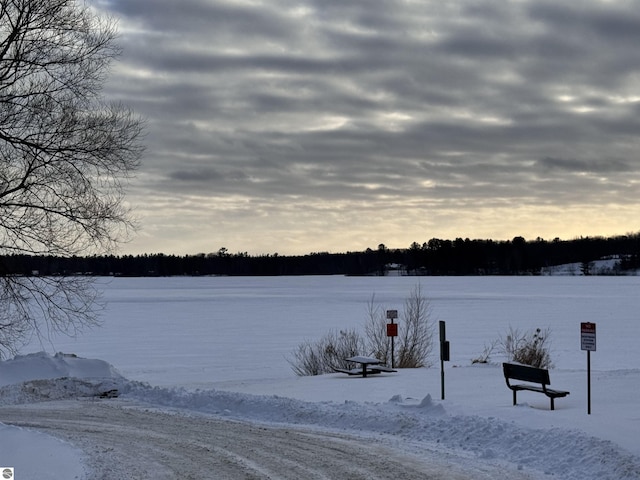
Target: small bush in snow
x,y
486,353
529,348
326,354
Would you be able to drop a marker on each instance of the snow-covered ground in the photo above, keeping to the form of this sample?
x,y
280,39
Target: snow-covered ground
x,y
219,347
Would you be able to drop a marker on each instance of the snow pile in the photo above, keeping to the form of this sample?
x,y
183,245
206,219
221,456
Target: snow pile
x,y
58,389
40,377
38,366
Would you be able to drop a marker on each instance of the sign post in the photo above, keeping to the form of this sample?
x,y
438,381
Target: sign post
x,y
392,331
588,343
444,353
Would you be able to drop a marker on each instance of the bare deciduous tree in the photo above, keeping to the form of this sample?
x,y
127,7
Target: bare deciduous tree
x,y
65,158
376,332
416,337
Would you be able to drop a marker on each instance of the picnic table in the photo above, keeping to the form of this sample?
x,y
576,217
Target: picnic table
x,y
367,365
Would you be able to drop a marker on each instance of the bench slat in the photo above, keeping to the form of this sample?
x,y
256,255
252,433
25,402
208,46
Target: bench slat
x,y
547,391
380,368
353,371
526,373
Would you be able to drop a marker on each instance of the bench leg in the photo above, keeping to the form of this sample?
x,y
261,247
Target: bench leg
x,y
514,397
552,406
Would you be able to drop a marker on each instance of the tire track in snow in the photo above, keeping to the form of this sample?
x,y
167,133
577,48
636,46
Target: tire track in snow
x,y
122,441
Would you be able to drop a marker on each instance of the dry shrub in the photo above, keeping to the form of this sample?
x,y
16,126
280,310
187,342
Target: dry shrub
x,y
529,348
326,354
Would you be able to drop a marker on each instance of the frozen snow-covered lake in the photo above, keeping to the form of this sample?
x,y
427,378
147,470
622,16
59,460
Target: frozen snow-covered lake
x,y
229,338
205,330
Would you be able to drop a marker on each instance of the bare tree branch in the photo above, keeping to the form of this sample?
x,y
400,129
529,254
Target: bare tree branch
x,y
65,156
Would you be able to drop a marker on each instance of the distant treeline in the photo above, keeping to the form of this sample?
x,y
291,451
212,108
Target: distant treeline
x,y
435,257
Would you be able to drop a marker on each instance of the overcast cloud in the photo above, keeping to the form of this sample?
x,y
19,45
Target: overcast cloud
x,y
296,126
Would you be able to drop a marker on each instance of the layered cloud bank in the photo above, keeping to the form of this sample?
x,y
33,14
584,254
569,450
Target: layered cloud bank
x,y
334,126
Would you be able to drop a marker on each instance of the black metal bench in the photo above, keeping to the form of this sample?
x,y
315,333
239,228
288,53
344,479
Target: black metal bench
x,y
532,375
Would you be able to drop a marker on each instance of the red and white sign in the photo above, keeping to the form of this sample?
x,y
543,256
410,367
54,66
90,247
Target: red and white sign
x,y
588,336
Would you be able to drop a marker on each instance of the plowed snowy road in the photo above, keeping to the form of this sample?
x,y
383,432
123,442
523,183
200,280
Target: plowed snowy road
x,y
122,441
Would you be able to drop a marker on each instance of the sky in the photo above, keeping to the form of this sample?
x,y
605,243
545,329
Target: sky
x,y
298,126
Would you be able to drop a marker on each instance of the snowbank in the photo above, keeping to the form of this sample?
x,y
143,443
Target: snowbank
x,y
38,366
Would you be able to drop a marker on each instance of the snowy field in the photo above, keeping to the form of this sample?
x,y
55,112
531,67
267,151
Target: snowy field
x,y
220,347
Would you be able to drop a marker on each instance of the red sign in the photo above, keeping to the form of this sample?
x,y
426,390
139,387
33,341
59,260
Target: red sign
x,y
392,329
588,336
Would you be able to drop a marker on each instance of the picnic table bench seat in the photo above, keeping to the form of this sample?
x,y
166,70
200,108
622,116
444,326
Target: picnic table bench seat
x,y
368,365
